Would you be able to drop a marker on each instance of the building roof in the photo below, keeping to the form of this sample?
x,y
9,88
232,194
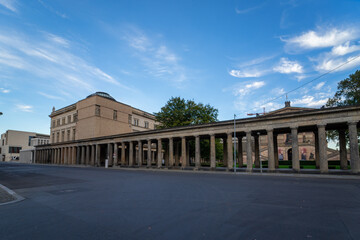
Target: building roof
x,y
102,94
287,109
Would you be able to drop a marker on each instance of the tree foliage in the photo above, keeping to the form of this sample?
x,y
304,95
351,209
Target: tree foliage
x,y
348,92
181,112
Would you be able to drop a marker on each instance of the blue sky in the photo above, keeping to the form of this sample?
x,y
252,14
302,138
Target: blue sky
x,y
234,55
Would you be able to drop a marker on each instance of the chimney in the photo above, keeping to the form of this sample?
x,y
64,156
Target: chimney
x,y
287,104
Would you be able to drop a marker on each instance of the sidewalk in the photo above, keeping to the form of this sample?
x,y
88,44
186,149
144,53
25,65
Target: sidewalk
x,y
8,196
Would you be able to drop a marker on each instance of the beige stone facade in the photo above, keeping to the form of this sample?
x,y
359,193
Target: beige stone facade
x,y
97,115
172,151
12,142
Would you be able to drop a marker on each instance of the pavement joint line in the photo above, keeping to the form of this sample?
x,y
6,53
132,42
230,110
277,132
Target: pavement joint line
x,y
299,175
17,197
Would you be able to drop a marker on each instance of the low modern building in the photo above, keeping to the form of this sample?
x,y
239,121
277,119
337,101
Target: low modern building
x,y
12,142
97,115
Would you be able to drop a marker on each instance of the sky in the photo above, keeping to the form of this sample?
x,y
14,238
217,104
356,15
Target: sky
x,y
235,55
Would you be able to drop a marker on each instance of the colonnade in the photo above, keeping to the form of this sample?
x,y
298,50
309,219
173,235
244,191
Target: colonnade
x,y
170,149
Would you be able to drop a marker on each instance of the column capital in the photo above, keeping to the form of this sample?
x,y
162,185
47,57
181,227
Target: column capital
x,y
352,123
294,127
321,125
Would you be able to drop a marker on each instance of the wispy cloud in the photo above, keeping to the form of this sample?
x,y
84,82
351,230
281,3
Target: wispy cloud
x,y
286,66
345,49
327,62
310,101
321,39
319,85
158,59
9,4
244,89
246,73
50,96
247,10
3,90
51,57
51,9
24,108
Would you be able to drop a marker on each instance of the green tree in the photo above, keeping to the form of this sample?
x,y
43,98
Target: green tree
x,y
347,94
181,112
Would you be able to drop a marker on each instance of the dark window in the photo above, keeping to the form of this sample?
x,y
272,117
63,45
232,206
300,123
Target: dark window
x,y
69,119
63,121
30,137
14,149
146,124
115,115
75,117
130,118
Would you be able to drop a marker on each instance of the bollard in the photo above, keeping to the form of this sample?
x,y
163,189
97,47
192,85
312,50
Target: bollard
x,y
106,163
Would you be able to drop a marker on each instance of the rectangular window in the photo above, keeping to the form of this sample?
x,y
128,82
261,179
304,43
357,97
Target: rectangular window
x,y
63,121
136,122
75,117
30,137
115,115
57,137
74,134
53,138
146,124
58,122
69,119
14,149
130,119
62,136
53,123
68,135
97,110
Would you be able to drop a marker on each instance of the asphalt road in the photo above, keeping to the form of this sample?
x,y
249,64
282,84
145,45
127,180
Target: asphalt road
x,y
94,203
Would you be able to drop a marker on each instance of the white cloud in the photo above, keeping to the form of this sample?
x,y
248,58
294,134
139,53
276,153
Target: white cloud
x,y
59,66
245,74
24,108
246,10
344,49
310,101
9,4
286,66
322,38
319,85
158,59
244,90
327,62
3,90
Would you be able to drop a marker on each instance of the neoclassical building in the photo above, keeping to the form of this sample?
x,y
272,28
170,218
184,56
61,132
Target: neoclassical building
x,y
135,148
97,115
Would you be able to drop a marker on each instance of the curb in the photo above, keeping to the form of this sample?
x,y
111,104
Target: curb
x,y
17,197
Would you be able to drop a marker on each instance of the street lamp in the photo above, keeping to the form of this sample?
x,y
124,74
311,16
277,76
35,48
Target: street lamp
x,y
234,144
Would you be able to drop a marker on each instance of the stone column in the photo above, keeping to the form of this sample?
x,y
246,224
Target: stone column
x,y
116,150
343,152
73,155
92,161
139,156
123,160
58,160
62,156
177,153
295,149
98,155
225,152
257,151
171,152
249,164
197,152
65,156
183,152
82,155
70,155
166,155
240,151
230,154
131,153
322,149
78,155
159,150
110,153
87,161
271,162
276,151
354,148
317,154
212,152
149,153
